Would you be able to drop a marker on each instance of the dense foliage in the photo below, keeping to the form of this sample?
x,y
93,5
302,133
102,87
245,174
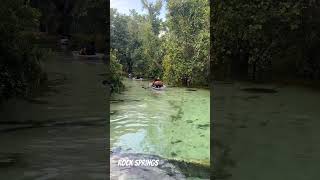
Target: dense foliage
x,y
115,73
136,40
258,39
83,20
176,49
71,16
20,61
187,42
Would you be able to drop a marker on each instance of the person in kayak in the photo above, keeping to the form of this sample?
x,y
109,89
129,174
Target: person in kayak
x,y
157,83
83,50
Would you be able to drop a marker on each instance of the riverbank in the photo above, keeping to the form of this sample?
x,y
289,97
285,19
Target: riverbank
x,y
150,80
300,83
76,40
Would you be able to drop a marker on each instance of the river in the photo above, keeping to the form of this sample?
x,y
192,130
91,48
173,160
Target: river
x,y
173,123
61,133
269,131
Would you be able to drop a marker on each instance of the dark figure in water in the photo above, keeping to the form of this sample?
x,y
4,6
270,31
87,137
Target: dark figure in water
x,y
186,80
157,83
83,50
91,49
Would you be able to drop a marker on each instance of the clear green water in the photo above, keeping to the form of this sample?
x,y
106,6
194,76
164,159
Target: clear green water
x,y
173,124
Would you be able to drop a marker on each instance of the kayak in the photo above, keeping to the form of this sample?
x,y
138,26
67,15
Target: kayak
x,y
64,41
96,56
159,89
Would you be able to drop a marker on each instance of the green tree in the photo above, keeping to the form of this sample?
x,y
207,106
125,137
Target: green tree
x,y
20,60
119,38
264,36
115,73
137,44
151,42
177,49
186,59
153,13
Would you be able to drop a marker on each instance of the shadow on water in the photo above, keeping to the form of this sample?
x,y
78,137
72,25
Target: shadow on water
x,y
259,90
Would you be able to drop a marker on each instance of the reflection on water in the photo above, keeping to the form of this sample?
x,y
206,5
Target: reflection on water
x,y
173,124
61,133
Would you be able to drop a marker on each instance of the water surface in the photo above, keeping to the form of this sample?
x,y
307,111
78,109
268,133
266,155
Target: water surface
x,y
61,133
173,124
269,134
